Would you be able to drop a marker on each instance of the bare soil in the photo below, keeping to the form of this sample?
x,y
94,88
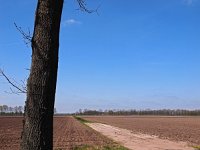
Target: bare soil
x,y
10,132
186,129
137,141
68,134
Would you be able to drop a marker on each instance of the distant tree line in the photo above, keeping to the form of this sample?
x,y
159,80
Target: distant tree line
x,y
162,112
7,110
16,110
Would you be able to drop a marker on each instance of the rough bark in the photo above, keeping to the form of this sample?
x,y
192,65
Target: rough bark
x,y
41,85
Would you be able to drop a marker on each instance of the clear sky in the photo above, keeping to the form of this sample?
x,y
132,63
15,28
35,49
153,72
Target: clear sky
x,y
135,54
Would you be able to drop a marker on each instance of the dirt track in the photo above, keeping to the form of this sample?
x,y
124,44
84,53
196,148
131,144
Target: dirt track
x,y
186,129
138,141
68,133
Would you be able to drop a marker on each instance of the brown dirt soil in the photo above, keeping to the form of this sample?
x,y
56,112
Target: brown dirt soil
x,y
186,129
68,133
10,132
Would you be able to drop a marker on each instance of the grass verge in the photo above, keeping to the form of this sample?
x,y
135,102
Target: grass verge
x,y
196,147
82,120
87,147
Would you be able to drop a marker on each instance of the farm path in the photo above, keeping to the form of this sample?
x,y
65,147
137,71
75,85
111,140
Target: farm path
x,y
137,141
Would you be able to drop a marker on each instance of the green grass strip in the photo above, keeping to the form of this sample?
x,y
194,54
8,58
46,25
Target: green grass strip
x,y
87,147
82,120
196,147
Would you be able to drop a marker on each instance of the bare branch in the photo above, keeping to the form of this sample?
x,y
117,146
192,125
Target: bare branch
x,y
27,69
12,92
14,84
26,36
83,7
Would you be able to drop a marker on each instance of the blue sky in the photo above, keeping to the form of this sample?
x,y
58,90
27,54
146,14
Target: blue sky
x,y
135,54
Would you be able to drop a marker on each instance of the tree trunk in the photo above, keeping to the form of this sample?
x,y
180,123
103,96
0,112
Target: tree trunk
x,y
41,86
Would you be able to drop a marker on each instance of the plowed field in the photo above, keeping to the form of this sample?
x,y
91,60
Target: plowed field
x,y
186,129
68,134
